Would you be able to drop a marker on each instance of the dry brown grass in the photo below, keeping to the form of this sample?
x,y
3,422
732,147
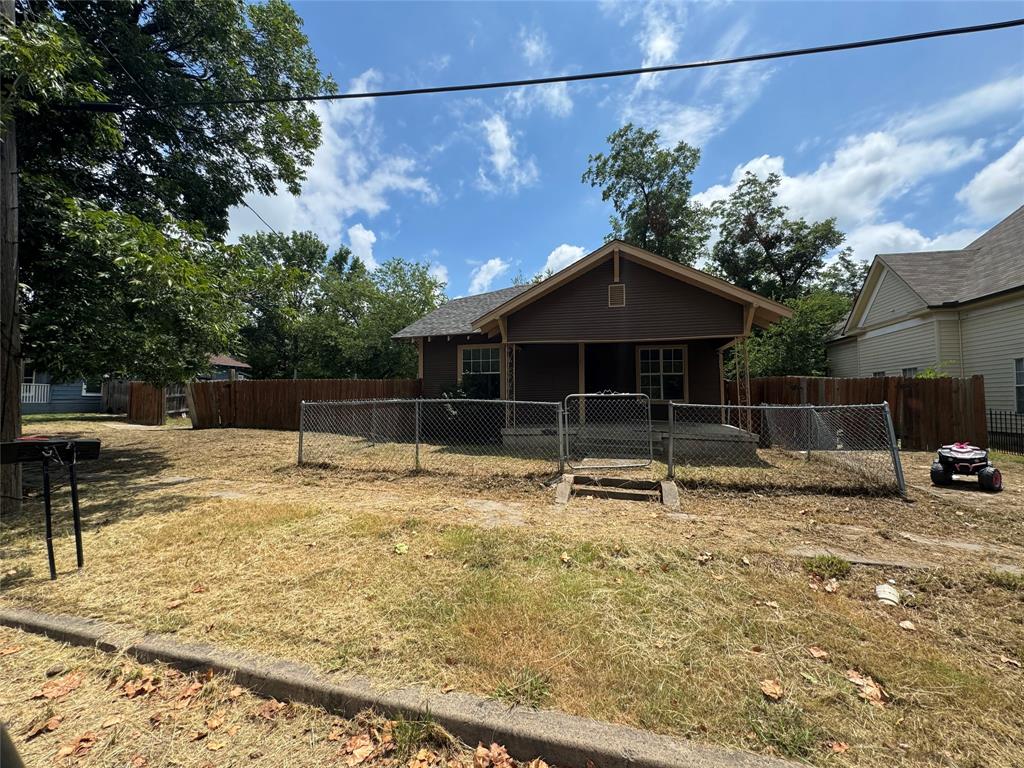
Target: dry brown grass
x,y
469,582
186,720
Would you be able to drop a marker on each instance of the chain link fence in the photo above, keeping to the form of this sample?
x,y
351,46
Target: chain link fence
x,y
608,431
831,449
445,436
853,447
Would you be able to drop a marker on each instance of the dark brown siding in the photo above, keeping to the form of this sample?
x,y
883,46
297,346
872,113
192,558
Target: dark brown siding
x,y
546,372
440,362
657,307
703,359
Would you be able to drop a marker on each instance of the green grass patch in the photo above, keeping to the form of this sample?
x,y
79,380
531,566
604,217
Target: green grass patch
x,y
784,727
524,688
1011,582
827,567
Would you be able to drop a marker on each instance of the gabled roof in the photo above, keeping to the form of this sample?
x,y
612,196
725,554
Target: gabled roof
x,y
456,317
991,264
226,361
765,310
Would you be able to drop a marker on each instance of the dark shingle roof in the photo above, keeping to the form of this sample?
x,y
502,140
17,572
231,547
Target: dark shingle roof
x,y
991,264
456,316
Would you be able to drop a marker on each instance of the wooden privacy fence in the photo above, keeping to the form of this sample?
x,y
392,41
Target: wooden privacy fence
x,y
926,413
275,403
114,396
146,404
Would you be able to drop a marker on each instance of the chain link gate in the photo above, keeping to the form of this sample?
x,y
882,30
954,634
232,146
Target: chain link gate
x,y
608,430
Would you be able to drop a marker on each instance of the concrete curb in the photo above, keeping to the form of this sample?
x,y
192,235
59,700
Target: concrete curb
x,y
565,740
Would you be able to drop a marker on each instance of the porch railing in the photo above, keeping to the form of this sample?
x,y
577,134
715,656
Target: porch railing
x,y
35,393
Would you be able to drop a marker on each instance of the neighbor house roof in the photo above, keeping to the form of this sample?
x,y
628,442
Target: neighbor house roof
x,y
226,361
991,264
456,317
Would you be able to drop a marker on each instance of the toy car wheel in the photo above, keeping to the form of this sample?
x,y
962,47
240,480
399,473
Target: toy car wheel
x,y
990,479
941,475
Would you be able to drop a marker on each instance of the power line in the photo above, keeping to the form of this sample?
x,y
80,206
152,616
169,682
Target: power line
x,y
769,56
257,214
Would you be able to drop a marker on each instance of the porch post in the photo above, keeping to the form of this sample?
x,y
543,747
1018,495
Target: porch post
x,y
582,378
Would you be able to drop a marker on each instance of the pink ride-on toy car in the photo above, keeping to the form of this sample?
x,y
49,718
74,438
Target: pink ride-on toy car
x,y
965,459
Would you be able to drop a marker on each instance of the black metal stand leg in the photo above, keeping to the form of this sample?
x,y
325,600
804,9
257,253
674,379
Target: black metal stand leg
x,y
47,508
73,481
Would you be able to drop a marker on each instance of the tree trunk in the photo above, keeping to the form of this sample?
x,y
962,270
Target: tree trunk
x,y
10,328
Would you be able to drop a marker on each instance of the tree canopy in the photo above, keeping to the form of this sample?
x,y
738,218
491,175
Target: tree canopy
x,y
649,188
164,166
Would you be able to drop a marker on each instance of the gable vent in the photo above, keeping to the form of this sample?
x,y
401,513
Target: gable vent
x,y
617,295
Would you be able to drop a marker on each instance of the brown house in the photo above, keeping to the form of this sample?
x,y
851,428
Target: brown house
x,y
620,319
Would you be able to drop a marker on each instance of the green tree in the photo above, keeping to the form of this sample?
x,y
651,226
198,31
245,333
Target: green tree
x,y
796,346
131,299
844,275
649,188
759,248
167,160
286,272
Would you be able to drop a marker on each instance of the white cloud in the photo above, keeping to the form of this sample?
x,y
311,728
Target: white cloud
x,y
721,97
351,174
534,46
661,29
998,188
361,241
553,97
863,174
896,237
481,277
562,257
967,109
507,170
439,272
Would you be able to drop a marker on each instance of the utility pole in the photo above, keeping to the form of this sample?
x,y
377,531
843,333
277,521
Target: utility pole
x,y
10,323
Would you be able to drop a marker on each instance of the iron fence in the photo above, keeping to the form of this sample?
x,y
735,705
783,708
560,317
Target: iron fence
x,y
448,436
1006,431
771,445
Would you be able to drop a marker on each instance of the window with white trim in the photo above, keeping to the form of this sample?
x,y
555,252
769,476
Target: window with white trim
x,y
662,372
878,374
28,375
480,375
909,373
1018,373
92,387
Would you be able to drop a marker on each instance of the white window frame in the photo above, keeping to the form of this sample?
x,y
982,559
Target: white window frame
x,y
501,364
1018,383
661,373
91,394
877,374
28,379
914,368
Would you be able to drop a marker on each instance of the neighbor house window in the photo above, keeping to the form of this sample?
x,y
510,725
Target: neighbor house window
x,y
1018,372
480,371
29,375
92,388
877,374
662,372
909,373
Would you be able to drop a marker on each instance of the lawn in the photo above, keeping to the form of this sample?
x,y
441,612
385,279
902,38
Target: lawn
x,y
623,611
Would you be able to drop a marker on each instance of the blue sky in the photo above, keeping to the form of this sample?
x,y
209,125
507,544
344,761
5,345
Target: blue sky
x,y
913,147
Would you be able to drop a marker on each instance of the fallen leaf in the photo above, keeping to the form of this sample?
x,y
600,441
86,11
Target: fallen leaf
x,y
199,589
495,756
232,729
772,689
817,652
235,692
139,761
831,586
8,650
870,691
425,758
357,749
141,687
110,722
175,603
839,746
213,746
199,735
907,625
59,688
268,709
79,746
215,721
336,732
47,726
705,557
565,557
536,763
1011,662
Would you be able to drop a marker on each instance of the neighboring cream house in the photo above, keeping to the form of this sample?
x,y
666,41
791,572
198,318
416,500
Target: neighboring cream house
x,y
958,312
